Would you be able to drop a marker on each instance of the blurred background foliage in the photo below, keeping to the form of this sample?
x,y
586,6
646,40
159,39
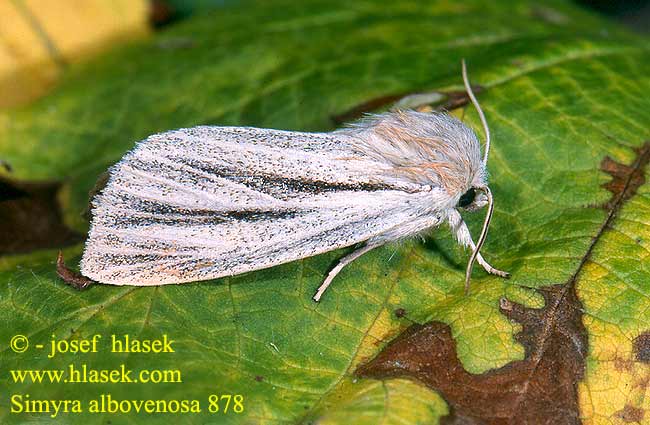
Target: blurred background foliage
x,y
40,38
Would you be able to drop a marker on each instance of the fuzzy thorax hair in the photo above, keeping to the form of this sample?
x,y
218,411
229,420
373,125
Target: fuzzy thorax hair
x,y
427,148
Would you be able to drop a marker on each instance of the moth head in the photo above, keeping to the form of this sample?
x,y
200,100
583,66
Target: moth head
x,y
478,195
473,199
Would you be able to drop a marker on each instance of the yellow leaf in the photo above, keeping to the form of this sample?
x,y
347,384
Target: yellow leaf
x,y
38,38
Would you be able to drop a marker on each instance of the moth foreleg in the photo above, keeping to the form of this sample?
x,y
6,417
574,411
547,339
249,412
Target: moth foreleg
x,y
461,232
342,263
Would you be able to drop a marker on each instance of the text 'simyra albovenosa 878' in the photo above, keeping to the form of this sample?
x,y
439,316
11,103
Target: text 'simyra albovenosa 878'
x,y
204,202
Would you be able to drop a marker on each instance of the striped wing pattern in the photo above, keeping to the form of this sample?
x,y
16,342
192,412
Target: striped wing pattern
x,y
206,202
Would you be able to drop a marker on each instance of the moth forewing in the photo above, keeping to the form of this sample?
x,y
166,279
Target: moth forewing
x,y
170,215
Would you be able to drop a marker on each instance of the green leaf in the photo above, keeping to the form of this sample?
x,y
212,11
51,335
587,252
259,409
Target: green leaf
x,y
562,90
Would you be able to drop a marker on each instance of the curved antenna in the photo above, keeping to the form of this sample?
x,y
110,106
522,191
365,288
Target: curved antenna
x,y
486,129
481,239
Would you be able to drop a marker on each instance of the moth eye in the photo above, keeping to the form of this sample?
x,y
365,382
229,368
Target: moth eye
x,y
467,198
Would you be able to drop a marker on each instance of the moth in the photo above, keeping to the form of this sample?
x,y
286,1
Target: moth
x,y
205,202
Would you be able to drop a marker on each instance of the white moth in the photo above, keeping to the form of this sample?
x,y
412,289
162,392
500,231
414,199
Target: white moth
x,y
205,202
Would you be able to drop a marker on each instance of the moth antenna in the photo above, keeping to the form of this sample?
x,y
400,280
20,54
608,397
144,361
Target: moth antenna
x,y
481,239
486,129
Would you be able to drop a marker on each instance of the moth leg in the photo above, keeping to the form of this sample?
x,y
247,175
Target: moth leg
x,y
461,232
73,279
342,263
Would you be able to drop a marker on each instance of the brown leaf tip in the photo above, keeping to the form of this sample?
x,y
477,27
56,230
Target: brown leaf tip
x,y
631,414
560,321
641,347
626,179
76,280
541,388
428,345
